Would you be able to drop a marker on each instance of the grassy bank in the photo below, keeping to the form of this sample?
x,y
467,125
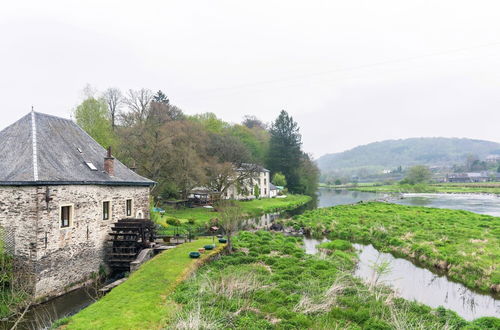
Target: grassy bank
x,y
141,302
250,208
270,283
466,245
455,188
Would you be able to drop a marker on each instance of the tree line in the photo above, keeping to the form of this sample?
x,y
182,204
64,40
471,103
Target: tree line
x,y
180,151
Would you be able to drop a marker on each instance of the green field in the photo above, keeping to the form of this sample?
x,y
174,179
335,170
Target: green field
x,y
270,283
465,245
141,302
251,208
456,188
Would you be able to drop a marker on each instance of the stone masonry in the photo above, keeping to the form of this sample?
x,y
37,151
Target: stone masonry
x,y
62,257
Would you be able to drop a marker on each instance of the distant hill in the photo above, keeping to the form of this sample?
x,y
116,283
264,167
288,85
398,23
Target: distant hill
x,y
405,152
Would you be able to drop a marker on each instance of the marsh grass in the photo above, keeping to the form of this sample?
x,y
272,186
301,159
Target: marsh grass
x,y
464,245
296,291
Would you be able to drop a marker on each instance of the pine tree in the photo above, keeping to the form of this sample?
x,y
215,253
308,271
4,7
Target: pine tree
x,y
285,150
161,97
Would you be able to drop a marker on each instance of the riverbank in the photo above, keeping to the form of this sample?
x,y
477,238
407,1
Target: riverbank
x,y
464,245
270,282
142,302
450,188
251,208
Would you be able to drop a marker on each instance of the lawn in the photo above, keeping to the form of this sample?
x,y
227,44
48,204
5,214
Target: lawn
x,y
270,283
463,244
141,301
251,208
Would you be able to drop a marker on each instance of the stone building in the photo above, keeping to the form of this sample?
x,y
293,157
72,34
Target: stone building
x,y
60,193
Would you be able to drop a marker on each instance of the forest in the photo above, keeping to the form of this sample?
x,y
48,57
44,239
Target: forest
x,y
179,151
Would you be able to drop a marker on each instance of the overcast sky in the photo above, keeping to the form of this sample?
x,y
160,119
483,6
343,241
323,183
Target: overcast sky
x,y
350,72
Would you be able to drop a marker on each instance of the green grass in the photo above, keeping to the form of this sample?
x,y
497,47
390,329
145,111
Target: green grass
x,y
457,188
270,283
251,208
464,244
141,301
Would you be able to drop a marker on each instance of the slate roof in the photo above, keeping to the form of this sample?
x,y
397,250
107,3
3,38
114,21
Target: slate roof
x,y
41,149
252,167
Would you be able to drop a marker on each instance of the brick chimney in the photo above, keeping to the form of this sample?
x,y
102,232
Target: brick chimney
x,y
109,163
134,167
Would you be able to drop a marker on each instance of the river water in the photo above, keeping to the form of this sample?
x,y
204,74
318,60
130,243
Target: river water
x,y
419,284
478,203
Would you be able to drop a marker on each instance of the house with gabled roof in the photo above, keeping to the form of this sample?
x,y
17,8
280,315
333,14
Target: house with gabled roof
x,y
60,193
254,177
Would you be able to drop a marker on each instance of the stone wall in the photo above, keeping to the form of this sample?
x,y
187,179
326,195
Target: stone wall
x,y
17,214
62,257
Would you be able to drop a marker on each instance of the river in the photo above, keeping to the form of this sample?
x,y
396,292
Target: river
x,y
478,203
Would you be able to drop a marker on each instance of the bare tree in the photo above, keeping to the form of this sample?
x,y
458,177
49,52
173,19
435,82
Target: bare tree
x,y
253,122
230,220
138,103
113,98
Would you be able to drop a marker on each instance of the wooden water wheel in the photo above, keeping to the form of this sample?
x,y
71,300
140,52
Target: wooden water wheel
x,y
128,238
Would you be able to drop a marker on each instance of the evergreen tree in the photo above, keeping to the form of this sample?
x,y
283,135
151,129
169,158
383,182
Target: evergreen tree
x,y
160,97
285,150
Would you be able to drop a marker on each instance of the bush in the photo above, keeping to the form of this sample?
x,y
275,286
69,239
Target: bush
x,y
173,221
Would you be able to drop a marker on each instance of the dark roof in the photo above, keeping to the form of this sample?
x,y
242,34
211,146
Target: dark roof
x,y
272,187
40,149
252,167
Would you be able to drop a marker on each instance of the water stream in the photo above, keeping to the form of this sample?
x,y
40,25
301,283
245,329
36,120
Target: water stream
x,y
415,283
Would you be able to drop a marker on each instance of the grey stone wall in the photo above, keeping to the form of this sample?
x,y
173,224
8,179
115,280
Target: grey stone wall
x,y
62,257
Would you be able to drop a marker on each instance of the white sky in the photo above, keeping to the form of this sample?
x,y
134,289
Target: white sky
x,y
350,72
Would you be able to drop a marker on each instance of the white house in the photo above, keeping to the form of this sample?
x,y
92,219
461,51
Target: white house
x,y
254,176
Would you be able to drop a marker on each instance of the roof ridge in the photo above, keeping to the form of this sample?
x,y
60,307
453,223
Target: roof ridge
x,y
35,146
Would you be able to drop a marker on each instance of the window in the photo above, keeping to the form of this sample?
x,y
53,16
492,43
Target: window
x,y
265,191
129,207
105,210
91,166
265,182
66,216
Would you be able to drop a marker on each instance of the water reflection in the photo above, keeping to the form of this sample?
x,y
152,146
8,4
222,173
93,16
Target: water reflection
x,y
42,316
331,197
415,283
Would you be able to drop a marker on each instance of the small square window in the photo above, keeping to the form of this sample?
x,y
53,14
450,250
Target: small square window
x,y
105,210
66,215
129,207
